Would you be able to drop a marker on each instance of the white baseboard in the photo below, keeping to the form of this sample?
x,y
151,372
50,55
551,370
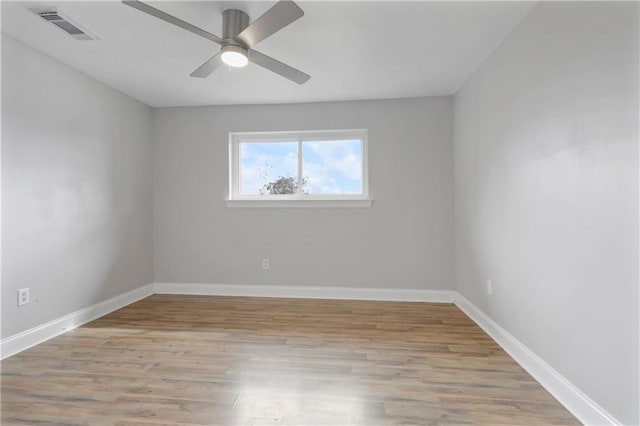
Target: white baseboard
x,y
28,338
348,293
574,400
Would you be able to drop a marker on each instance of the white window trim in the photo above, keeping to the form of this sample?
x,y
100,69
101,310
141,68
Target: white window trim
x,y
296,200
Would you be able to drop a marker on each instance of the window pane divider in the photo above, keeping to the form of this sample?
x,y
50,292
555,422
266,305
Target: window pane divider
x,y
299,189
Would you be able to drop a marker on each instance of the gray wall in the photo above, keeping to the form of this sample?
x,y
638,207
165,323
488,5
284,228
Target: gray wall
x,y
546,193
404,240
76,189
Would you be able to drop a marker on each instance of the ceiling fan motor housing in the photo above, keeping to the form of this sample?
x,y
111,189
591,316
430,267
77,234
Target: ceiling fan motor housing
x,y
234,21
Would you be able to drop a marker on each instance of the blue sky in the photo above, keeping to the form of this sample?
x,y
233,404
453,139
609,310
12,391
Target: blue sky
x,y
330,167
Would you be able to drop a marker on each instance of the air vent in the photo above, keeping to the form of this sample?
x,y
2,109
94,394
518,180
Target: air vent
x,y
65,24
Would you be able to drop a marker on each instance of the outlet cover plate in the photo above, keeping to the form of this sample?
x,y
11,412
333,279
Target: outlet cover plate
x,y
23,296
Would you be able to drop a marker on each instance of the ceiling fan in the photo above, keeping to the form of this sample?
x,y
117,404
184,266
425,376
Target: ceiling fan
x,y
239,37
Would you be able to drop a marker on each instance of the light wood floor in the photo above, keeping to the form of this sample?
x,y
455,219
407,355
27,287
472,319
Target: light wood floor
x,y
231,360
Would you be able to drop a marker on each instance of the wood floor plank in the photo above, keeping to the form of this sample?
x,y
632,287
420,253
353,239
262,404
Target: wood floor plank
x,y
202,360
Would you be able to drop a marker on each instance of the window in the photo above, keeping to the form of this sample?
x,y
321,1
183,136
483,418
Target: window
x,y
299,169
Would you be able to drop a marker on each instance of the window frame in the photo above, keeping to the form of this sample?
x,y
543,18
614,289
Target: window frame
x,y
235,199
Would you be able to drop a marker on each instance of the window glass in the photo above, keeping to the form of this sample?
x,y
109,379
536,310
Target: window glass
x,y
268,168
332,167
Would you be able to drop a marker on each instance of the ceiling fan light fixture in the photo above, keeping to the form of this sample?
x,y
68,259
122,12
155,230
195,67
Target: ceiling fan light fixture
x,y
234,56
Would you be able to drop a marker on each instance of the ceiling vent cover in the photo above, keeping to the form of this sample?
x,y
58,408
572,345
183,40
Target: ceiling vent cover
x,y
65,24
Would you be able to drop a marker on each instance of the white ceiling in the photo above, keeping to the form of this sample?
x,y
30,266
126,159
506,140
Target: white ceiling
x,y
352,50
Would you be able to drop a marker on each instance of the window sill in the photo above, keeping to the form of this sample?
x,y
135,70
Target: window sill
x,y
355,203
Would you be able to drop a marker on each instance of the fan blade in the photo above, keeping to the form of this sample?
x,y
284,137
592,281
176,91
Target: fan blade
x,y
157,13
273,20
278,67
208,67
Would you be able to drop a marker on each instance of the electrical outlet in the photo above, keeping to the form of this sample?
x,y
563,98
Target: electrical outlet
x,y
265,263
489,287
23,296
